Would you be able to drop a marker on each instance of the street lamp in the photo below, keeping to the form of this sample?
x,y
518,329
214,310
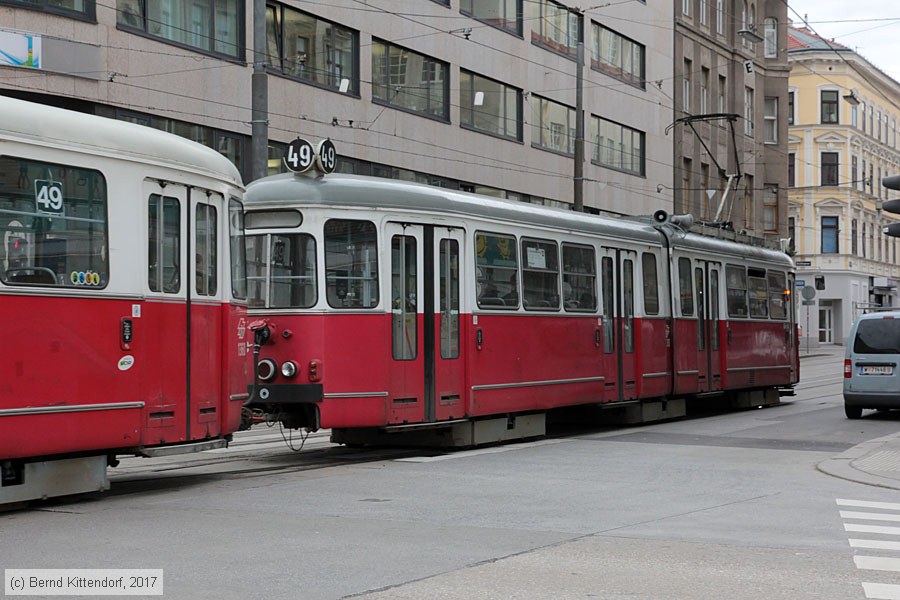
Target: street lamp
x,y
852,98
749,34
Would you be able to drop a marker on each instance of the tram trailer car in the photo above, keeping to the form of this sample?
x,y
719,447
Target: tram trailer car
x,y
398,307
122,298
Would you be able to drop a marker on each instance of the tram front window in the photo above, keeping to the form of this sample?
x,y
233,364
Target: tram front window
x,y
53,225
281,270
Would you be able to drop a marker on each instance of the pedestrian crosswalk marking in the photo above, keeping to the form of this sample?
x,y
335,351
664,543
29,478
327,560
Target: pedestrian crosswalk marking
x,y
880,567
877,563
876,544
866,504
872,529
882,591
849,514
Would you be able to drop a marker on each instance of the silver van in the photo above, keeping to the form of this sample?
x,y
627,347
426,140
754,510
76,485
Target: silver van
x,y
872,363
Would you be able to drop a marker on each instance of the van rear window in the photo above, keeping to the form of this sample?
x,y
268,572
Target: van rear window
x,y
878,336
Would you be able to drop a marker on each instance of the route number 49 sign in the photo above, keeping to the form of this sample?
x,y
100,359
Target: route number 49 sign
x,y
48,196
300,156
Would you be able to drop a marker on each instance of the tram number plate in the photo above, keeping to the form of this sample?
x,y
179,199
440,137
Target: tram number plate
x,y
880,370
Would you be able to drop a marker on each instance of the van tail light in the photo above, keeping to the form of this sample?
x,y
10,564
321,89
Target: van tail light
x,y
848,369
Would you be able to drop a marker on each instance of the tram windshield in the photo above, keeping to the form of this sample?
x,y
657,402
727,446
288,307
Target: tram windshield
x,y
53,225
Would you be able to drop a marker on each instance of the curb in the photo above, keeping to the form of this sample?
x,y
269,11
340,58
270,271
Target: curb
x,y
841,466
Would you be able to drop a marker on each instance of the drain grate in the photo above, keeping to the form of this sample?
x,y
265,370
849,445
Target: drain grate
x,y
885,460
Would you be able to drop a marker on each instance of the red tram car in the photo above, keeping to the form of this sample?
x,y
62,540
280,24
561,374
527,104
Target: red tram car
x,y
391,306
122,298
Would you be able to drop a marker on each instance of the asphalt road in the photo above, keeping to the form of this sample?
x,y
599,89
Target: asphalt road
x,y
724,506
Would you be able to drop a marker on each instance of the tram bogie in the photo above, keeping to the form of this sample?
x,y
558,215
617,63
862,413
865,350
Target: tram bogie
x,y
122,291
408,308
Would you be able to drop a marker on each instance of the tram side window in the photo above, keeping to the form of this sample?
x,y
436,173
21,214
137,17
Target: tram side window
x,y
758,293
736,289
281,270
238,249
206,254
628,304
53,225
404,303
714,308
579,276
607,272
496,267
449,278
164,244
540,275
777,293
351,264
651,284
685,287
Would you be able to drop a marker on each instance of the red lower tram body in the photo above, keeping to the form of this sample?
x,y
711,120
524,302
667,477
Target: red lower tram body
x,y
87,379
513,364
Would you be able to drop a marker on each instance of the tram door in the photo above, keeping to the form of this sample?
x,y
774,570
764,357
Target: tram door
x,y
617,273
207,283
706,282
177,333
427,367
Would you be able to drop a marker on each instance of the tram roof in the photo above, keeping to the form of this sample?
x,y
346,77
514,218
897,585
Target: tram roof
x,y
380,193
336,189
61,128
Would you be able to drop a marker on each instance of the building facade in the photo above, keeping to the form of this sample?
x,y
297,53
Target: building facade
x,y
729,129
479,95
843,114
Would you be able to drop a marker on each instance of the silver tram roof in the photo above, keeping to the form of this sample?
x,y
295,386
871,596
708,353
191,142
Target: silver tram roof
x,y
376,193
56,127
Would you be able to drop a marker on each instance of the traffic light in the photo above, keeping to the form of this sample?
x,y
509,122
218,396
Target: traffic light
x,y
891,206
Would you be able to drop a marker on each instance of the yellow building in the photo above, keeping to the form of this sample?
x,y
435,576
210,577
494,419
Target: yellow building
x,y
842,117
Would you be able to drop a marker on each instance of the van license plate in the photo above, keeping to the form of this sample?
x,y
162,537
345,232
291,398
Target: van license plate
x,y
876,370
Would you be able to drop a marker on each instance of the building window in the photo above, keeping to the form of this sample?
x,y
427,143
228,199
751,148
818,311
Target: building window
x,y
792,233
792,160
879,126
770,35
854,168
557,28
723,91
686,7
854,116
854,233
862,178
748,111
771,120
790,108
77,9
312,49
829,107
405,79
862,112
210,25
829,235
720,16
871,179
863,240
686,87
704,91
490,106
770,208
617,56
503,14
553,125
829,168
617,146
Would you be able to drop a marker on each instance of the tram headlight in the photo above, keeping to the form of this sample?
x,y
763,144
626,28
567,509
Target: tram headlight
x,y
266,369
289,368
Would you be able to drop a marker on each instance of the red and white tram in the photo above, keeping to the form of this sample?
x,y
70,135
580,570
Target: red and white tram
x,y
395,306
122,298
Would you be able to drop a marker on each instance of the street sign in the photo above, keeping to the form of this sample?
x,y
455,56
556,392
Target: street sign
x,y
808,302
803,263
800,283
808,292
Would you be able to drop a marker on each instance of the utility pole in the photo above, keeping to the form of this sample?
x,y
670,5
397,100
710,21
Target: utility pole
x,y
259,91
578,178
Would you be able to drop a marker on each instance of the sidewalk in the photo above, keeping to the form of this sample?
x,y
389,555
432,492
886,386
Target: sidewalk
x,y
875,462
